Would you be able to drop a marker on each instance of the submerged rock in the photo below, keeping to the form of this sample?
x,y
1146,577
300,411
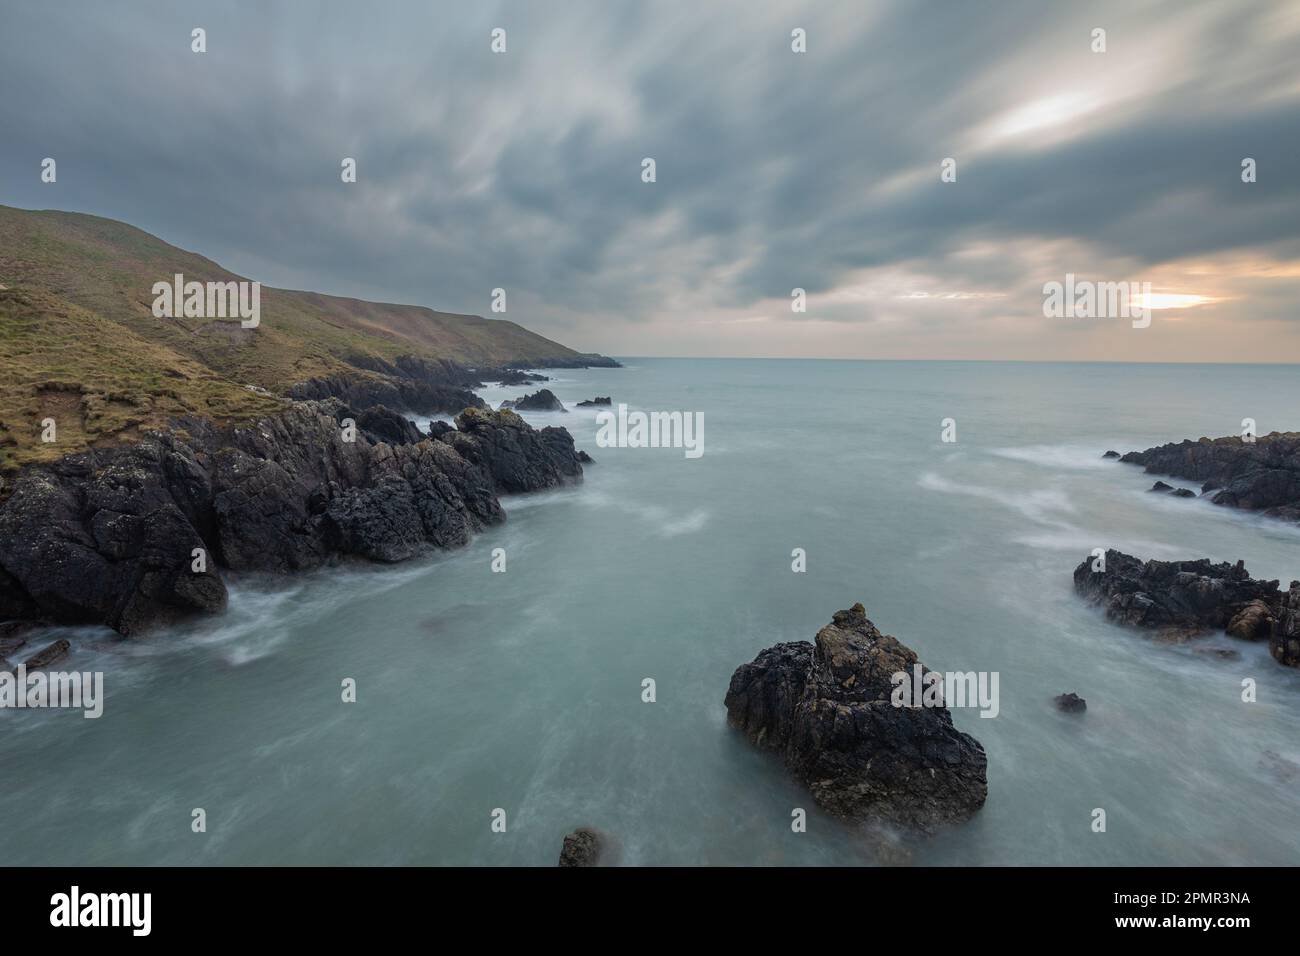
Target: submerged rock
x,y
1263,475
49,654
826,708
583,847
1071,703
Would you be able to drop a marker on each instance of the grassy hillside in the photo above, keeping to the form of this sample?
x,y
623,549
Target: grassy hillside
x,y
79,341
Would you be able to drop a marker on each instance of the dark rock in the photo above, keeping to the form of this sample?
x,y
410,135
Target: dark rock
x,y
1111,454
1221,653
1180,599
585,458
826,709
49,654
439,428
1071,703
596,401
1161,486
110,536
583,847
1284,642
1263,475
517,457
510,376
361,390
383,424
1183,493
540,401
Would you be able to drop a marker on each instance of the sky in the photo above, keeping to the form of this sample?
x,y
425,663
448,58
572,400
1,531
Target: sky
x,y
774,169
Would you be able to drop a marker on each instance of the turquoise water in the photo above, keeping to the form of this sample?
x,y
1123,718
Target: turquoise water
x,y
523,690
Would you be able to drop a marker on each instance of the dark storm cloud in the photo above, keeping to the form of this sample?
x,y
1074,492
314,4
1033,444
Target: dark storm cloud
x,y
775,170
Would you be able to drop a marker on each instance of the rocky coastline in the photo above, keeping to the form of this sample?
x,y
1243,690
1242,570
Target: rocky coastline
x,y
1182,600
137,536
825,708
1261,475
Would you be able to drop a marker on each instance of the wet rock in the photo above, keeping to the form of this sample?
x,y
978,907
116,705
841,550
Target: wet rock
x,y
583,847
1161,486
134,537
826,708
595,401
1071,703
1183,493
1284,642
50,654
540,401
517,457
1253,622
1263,475
1180,599
383,424
1111,454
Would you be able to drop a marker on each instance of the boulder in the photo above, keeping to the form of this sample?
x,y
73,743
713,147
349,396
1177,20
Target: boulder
x,y
583,847
1161,486
826,708
1111,454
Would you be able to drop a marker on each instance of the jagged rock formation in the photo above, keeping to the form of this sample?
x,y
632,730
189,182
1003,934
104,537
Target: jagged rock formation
x,y
518,457
598,400
826,709
1185,599
135,536
1263,475
365,391
540,401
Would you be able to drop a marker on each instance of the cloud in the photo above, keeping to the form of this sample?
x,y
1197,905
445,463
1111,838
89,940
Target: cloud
x,y
775,170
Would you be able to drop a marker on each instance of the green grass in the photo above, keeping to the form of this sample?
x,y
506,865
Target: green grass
x,y
79,341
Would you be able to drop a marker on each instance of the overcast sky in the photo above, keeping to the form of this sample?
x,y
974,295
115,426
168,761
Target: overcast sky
x,y
775,169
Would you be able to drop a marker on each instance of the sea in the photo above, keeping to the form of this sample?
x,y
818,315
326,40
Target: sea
x,y
497,710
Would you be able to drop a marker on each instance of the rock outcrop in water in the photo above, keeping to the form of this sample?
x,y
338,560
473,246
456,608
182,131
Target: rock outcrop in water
x,y
583,847
135,536
1263,475
543,400
1184,599
826,709
598,400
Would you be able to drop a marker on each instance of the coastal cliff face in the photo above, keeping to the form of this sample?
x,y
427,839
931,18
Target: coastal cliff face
x,y
1185,599
1263,475
135,536
826,709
